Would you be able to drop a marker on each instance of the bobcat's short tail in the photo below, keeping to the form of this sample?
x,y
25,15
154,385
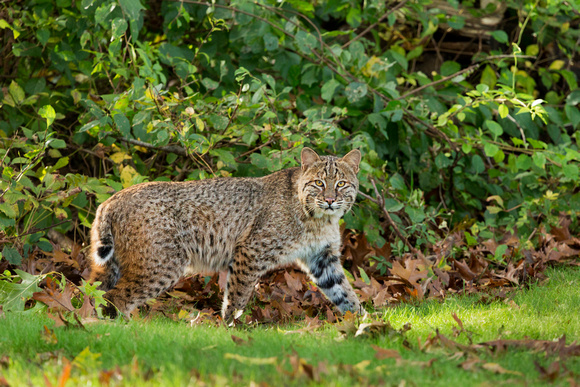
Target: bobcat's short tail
x,y
105,266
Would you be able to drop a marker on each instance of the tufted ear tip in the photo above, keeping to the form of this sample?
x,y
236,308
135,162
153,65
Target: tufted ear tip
x,y
308,157
353,158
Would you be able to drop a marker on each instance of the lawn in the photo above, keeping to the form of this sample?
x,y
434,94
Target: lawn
x,y
164,352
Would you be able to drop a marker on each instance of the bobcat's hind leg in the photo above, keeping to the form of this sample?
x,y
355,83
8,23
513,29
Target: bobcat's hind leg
x,y
133,291
243,274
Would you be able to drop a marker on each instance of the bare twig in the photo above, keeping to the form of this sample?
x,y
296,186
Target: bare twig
x,y
380,201
254,149
167,148
366,30
444,79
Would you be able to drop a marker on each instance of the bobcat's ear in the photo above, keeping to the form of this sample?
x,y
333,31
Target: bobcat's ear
x,y
352,158
308,157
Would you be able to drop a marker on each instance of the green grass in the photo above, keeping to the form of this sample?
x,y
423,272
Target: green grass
x,y
163,352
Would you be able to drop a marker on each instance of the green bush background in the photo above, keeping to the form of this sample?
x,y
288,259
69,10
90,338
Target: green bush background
x,y
99,95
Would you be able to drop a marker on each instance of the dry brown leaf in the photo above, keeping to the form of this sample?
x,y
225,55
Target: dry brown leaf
x,y
416,363
549,374
52,296
470,363
463,270
87,309
496,368
558,347
294,283
251,360
413,271
240,341
385,353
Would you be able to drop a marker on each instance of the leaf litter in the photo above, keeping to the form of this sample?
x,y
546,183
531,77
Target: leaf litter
x,y
287,295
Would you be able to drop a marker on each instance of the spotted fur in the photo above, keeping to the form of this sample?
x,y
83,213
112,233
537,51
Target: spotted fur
x,y
146,237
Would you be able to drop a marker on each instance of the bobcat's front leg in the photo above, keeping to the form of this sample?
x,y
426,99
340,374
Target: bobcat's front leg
x,y
327,272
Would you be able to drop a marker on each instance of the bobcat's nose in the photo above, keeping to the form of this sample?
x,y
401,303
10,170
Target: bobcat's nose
x,y
329,201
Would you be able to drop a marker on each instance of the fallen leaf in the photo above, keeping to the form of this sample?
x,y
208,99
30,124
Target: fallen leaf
x,y
294,283
251,360
496,368
240,341
87,309
52,296
551,373
470,363
385,353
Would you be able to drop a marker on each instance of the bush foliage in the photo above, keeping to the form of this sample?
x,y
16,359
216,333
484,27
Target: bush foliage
x,y
99,95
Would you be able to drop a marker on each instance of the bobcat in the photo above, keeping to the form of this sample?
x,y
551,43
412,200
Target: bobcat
x,y
146,237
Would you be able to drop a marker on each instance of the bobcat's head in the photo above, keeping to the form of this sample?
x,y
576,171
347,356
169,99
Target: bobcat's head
x,y
328,185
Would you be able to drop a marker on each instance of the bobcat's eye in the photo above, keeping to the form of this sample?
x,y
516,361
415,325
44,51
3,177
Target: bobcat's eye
x,y
340,184
319,183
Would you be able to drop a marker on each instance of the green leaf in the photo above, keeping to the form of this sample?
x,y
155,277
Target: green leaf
x,y
13,296
48,113
449,68
503,111
391,205
570,171
477,164
132,8
259,160
500,36
354,17
488,77
499,252
573,98
16,92
494,209
397,182
270,42
56,143
209,83
377,120
302,6
328,89
573,114
490,149
570,78
524,162
118,28
415,214
123,124
12,255
11,210
494,128
305,42
364,276
539,159
355,91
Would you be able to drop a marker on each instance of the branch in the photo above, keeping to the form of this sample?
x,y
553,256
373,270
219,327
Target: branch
x,y
366,30
168,148
380,201
444,79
